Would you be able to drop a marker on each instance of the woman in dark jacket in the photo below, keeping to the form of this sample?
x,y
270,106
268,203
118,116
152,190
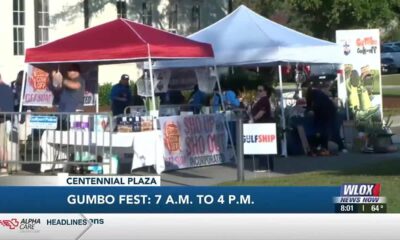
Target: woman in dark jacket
x,y
261,113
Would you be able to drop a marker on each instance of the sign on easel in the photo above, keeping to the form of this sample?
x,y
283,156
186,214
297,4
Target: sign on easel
x,y
260,138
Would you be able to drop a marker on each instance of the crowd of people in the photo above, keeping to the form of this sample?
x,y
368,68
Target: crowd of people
x,y
69,91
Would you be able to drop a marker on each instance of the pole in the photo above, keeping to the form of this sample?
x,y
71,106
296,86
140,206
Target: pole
x,y
219,87
21,98
96,99
342,89
239,146
153,98
283,120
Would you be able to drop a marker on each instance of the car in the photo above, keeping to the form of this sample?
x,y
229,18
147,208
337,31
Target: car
x,y
391,52
321,75
388,66
392,44
323,72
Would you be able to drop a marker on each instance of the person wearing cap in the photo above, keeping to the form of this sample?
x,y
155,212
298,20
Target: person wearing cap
x,y
73,90
120,95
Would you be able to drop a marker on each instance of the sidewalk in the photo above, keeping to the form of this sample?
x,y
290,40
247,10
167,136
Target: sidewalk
x,y
213,175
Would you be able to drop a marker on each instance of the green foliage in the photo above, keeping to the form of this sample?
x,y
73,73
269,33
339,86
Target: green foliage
x,y
321,18
104,93
239,79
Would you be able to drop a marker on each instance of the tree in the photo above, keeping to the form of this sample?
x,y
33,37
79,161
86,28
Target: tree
x,y
211,11
321,18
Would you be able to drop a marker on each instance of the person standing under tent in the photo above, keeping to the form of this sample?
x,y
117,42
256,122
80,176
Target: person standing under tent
x,y
69,91
120,95
73,90
17,89
197,99
229,97
6,105
326,121
260,112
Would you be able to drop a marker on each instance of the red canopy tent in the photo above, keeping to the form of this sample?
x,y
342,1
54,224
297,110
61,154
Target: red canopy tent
x,y
117,41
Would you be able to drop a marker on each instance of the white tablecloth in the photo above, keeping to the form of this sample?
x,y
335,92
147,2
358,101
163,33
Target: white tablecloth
x,y
147,147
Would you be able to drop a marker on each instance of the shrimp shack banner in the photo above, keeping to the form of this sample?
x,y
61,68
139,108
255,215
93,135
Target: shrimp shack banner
x,y
362,66
194,140
39,90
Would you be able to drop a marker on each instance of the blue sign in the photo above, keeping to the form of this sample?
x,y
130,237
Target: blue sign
x,y
168,199
43,122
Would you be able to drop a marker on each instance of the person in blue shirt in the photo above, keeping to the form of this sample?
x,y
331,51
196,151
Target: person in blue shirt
x,y
197,99
228,96
120,95
72,90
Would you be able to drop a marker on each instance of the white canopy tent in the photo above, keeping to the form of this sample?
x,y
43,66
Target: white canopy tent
x,y
245,38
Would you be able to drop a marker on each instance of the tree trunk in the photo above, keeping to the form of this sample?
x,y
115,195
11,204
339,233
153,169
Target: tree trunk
x,y
86,12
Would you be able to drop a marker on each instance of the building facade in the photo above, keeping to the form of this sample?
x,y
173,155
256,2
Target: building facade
x,y
30,23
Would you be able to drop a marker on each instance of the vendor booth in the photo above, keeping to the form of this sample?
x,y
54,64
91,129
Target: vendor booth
x,y
244,38
182,141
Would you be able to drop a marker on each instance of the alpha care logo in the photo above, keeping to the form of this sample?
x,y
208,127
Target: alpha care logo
x,y
367,45
29,224
10,223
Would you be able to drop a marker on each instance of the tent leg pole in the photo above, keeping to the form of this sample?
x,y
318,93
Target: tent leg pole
x,y
96,99
235,156
283,120
153,99
342,89
21,98
219,88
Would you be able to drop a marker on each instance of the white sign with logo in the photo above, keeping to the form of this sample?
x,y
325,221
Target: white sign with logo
x,y
362,66
260,138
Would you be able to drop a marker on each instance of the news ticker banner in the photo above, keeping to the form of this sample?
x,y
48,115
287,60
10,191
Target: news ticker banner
x,y
200,226
113,194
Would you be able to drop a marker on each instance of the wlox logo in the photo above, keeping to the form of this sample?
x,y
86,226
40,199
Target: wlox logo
x,y
12,223
360,190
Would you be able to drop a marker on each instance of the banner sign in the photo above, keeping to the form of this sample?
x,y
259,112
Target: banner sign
x,y
110,199
362,59
37,92
193,141
260,138
40,92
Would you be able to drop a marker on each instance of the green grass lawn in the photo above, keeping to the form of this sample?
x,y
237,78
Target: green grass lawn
x,y
391,92
386,173
392,79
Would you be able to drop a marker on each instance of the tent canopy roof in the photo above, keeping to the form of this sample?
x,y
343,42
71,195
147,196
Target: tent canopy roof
x,y
118,40
246,38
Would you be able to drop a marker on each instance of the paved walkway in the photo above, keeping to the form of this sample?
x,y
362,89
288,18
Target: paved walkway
x,y
213,175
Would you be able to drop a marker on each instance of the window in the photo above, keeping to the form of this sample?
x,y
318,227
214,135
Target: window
x,y
147,13
173,18
41,21
196,17
121,8
18,26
